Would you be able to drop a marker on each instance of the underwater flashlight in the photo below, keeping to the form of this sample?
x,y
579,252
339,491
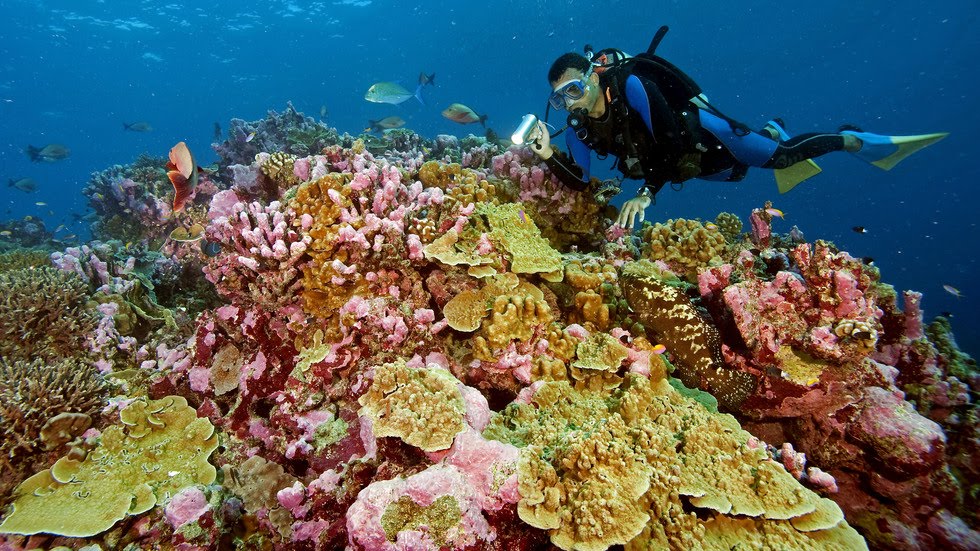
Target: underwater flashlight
x,y
524,130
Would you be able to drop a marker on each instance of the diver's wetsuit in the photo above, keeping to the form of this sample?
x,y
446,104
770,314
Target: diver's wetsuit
x,y
664,141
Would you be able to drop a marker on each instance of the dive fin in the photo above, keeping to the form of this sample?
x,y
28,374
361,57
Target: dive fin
x,y
887,151
789,177
793,175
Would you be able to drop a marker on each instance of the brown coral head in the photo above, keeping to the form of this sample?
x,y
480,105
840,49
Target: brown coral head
x,y
64,428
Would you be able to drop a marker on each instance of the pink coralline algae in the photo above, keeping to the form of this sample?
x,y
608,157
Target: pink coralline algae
x,y
440,487
815,328
185,507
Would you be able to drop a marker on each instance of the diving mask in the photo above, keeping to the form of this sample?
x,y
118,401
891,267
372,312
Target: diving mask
x,y
570,90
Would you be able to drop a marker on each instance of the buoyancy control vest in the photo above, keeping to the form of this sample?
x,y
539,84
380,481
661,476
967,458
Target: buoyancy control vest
x,y
674,99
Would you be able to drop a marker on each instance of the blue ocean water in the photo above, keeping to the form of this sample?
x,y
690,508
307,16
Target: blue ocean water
x,y
72,72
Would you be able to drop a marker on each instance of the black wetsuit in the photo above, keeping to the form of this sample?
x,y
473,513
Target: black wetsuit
x,y
666,143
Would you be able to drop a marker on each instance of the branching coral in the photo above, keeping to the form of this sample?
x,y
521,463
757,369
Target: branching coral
x,y
24,258
262,255
33,392
43,313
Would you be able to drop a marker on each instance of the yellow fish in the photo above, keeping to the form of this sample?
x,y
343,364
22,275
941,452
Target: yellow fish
x,y
659,349
775,212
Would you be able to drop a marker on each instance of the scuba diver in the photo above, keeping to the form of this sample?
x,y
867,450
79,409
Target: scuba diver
x,y
661,128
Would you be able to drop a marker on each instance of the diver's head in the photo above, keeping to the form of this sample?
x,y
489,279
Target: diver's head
x,y
574,85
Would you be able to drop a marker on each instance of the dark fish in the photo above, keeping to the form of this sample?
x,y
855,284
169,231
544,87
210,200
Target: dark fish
x,y
49,153
427,79
386,123
494,138
210,248
26,185
946,315
868,260
462,114
182,172
140,126
859,229
217,131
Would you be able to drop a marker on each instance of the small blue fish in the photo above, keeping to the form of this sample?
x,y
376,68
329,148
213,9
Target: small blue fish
x,y
210,248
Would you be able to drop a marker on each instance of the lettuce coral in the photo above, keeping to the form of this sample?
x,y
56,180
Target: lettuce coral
x,y
597,471
163,448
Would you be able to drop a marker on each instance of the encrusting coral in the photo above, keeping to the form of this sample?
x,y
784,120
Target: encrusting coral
x,y
686,246
423,407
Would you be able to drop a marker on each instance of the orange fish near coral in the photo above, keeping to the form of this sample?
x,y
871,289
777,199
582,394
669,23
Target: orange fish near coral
x,y
659,349
182,173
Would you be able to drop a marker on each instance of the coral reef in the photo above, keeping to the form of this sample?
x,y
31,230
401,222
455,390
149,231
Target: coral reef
x,y
405,343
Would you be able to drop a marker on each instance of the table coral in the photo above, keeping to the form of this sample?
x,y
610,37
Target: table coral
x,y
163,448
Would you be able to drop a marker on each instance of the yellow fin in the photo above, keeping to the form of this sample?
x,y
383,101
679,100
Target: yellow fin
x,y
789,177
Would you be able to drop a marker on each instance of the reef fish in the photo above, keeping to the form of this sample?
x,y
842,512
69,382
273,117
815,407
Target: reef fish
x,y
183,173
427,79
49,153
775,212
386,123
392,92
26,185
953,291
462,114
188,235
859,229
140,126
217,131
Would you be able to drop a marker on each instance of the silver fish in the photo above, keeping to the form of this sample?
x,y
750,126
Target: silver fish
x,y
391,92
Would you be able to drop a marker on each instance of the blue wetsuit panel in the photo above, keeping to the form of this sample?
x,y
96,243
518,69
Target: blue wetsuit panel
x,y
581,153
636,97
752,149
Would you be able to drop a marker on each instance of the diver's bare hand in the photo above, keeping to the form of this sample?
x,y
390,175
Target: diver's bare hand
x,y
631,209
541,145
